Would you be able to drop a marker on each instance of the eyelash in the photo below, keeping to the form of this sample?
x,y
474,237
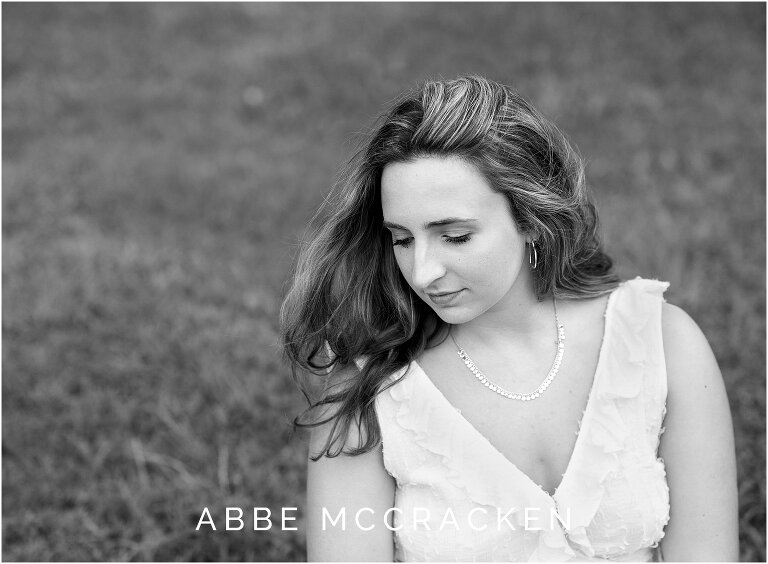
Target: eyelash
x,y
455,240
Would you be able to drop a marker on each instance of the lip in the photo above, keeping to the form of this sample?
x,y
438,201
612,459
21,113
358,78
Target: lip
x,y
445,298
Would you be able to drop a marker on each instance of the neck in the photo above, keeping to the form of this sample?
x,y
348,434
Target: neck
x,y
518,318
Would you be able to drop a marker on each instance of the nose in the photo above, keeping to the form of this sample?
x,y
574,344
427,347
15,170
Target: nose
x,y
427,266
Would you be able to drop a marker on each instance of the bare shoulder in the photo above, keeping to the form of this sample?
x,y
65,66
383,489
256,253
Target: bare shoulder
x,y
346,484
691,365
326,414
697,447
678,326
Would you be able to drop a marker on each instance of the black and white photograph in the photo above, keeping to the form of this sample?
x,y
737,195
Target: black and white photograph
x,y
383,281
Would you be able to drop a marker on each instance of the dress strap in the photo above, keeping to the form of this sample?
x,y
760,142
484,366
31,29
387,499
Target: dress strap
x,y
630,393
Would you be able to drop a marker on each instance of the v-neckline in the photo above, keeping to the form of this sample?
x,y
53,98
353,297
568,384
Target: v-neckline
x,y
584,418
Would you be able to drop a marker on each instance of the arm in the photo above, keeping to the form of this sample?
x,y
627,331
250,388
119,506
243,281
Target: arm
x,y
697,448
350,482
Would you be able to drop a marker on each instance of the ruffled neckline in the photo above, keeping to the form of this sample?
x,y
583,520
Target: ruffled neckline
x,y
581,424
489,478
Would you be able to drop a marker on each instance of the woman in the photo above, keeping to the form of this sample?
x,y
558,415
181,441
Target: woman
x,y
493,391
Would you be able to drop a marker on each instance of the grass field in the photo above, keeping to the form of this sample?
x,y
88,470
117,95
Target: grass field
x,y
160,162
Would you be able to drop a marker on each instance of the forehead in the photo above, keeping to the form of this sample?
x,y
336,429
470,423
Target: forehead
x,y
435,187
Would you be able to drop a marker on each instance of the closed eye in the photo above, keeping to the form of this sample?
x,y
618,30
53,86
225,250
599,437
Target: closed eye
x,y
458,240
406,241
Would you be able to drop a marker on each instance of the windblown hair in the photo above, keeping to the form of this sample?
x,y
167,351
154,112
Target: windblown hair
x,y
348,299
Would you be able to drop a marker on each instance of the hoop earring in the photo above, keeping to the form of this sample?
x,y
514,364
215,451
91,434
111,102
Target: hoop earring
x,y
533,257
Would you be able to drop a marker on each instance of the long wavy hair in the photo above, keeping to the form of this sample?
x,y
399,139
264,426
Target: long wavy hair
x,y
348,300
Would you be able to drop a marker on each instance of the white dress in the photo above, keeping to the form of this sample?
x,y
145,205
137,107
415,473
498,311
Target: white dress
x,y
459,498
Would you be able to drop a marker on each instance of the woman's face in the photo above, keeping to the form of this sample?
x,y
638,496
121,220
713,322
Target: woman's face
x,y
453,235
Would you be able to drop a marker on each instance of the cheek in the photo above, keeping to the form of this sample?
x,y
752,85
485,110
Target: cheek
x,y
403,264
496,266
498,253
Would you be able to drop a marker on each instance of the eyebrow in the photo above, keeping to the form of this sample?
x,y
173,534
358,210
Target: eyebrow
x,y
431,224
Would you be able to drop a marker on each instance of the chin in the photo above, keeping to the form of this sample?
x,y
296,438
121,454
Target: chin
x,y
454,316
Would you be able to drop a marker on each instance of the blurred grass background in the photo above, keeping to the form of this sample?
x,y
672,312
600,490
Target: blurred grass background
x,y
161,161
